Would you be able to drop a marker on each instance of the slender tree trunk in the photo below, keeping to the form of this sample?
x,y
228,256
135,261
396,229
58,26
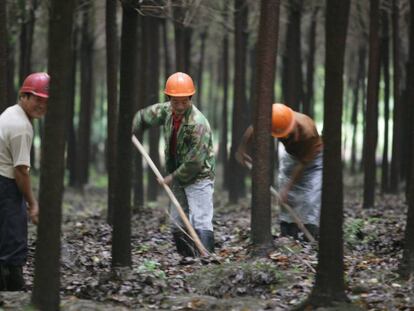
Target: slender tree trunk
x,y
153,74
408,103
112,64
3,57
26,38
87,97
358,86
46,285
292,69
397,118
224,131
237,186
141,95
407,261
261,179
182,41
371,133
71,148
11,91
310,67
121,241
329,282
203,39
385,42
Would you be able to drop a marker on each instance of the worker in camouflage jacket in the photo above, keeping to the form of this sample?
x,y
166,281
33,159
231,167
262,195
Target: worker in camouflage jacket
x,y
189,158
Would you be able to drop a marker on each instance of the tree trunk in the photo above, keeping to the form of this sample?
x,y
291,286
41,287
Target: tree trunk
x,y
385,42
121,241
46,285
397,118
26,38
371,132
86,97
292,69
407,261
224,131
182,41
203,38
71,148
310,67
329,282
236,186
112,64
153,75
409,113
261,179
359,85
140,94
3,57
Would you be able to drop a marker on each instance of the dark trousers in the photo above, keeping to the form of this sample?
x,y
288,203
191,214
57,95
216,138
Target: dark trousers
x,y
13,231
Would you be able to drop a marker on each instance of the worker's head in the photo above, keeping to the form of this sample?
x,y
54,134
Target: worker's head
x,y
34,94
283,120
180,87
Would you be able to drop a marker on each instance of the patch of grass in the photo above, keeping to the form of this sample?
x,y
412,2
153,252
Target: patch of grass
x,y
151,267
238,279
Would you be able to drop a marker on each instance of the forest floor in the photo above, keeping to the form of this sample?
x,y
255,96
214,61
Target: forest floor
x,y
231,280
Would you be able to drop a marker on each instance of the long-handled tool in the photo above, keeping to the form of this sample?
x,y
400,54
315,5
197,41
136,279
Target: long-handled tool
x,y
174,200
290,210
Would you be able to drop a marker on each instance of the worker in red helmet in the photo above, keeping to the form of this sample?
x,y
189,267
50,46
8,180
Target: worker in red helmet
x,y
300,170
189,159
17,200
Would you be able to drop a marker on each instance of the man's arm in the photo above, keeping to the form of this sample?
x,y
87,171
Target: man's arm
x,y
241,153
22,176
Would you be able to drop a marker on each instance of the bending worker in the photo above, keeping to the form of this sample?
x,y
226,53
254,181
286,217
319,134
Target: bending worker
x,y
300,169
189,158
16,196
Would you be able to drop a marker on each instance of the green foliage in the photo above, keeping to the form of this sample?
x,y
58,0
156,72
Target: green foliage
x,y
151,267
360,230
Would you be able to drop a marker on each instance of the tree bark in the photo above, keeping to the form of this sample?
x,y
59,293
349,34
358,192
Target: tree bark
x,y
121,241
385,42
292,69
46,285
224,131
329,283
261,179
397,118
87,97
112,64
237,186
371,132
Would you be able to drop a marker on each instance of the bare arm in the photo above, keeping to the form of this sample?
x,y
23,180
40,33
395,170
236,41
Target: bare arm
x,y
241,153
21,174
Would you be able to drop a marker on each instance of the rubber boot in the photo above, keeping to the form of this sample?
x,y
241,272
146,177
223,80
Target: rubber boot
x,y
207,238
289,229
11,278
185,246
314,230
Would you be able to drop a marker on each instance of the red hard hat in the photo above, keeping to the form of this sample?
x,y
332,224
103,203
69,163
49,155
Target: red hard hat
x,y
179,84
37,84
282,120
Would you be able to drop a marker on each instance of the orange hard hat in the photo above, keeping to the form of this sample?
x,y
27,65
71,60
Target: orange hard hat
x,y
37,84
282,120
179,84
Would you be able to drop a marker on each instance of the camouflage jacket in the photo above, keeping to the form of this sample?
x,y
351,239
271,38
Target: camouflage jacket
x,y
194,159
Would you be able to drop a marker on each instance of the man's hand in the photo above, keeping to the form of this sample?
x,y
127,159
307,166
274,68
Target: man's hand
x,y
283,196
243,158
33,210
167,180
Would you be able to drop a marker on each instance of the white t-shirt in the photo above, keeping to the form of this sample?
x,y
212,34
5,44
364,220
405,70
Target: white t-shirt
x,y
16,136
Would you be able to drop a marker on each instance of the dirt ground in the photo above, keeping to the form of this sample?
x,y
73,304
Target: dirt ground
x,y
231,279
